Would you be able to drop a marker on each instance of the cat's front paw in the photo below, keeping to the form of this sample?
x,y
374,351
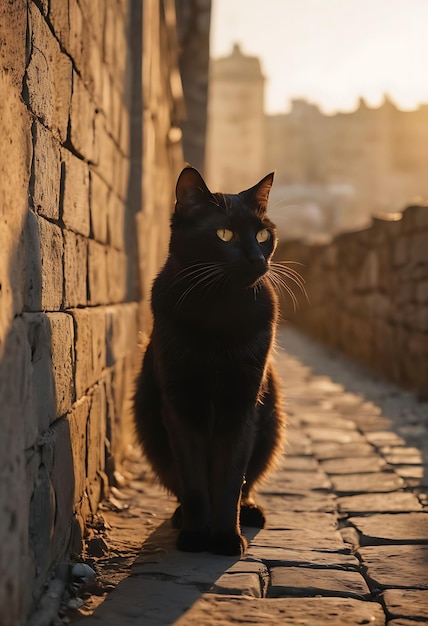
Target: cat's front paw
x,y
193,540
229,544
252,515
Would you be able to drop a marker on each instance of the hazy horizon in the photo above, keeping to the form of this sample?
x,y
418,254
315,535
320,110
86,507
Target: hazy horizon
x,y
330,52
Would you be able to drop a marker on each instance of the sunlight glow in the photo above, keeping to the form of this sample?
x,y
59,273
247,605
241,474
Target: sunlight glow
x,y
330,52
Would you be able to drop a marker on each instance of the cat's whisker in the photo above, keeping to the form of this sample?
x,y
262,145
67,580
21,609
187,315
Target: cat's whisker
x,y
293,275
195,268
279,282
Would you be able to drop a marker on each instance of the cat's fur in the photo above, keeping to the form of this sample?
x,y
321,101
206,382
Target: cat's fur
x,y
207,404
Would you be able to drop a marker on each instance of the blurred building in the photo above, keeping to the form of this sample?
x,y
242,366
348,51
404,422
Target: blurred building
x,y
236,138
333,172
352,165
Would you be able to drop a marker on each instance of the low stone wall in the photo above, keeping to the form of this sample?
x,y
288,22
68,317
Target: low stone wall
x,y
368,293
90,100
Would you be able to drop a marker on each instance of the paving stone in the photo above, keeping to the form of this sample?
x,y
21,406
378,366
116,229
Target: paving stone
x,y
283,481
295,500
332,450
299,463
301,557
403,456
354,465
397,566
302,520
407,603
385,437
301,581
299,538
412,471
298,442
326,419
379,503
220,611
375,482
339,435
398,527
238,585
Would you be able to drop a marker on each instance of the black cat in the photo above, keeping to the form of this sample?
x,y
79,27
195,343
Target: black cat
x,y
207,405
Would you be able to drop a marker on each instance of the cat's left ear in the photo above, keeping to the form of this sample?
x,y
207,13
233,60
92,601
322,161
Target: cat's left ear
x,y
191,189
259,194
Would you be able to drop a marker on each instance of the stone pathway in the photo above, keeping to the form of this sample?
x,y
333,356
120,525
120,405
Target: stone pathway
x,y
347,535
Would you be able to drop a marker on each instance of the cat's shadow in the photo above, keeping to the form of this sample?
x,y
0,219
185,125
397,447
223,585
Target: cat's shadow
x,y
164,583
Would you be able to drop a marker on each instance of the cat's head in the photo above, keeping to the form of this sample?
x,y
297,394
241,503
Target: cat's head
x,y
229,233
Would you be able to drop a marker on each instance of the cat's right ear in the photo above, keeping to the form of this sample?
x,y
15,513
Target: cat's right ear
x,y
191,189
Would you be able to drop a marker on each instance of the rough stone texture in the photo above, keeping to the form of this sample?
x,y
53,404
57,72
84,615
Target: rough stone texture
x,y
406,603
78,252
396,527
379,503
300,581
306,566
367,292
396,566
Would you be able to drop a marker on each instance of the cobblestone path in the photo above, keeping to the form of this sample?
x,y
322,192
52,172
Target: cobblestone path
x,y
347,534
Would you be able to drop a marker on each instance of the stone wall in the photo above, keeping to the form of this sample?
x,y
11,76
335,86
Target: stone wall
x,y
368,293
90,99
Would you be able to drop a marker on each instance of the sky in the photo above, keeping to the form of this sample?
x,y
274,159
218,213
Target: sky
x,y
330,52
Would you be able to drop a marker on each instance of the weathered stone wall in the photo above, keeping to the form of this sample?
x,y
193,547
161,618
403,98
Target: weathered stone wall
x,y
90,95
368,293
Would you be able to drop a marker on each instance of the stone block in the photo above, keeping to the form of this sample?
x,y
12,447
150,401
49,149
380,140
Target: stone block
x,y
398,502
239,584
63,360
97,273
38,331
13,19
105,163
117,266
75,200
411,603
78,420
19,423
396,566
98,344
58,17
41,524
116,222
375,482
121,331
46,172
90,347
319,611
52,269
401,528
100,195
83,351
96,433
62,480
82,120
300,581
75,269
48,78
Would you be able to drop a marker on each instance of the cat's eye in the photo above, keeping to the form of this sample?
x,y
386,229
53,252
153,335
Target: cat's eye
x,y
263,235
224,234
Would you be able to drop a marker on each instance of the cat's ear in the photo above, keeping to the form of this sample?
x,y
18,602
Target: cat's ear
x,y
191,189
259,194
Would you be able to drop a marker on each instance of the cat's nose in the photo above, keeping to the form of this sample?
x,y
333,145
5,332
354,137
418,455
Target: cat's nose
x,y
258,260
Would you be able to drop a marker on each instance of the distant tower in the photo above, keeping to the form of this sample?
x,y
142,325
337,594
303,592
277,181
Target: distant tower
x,y
235,156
